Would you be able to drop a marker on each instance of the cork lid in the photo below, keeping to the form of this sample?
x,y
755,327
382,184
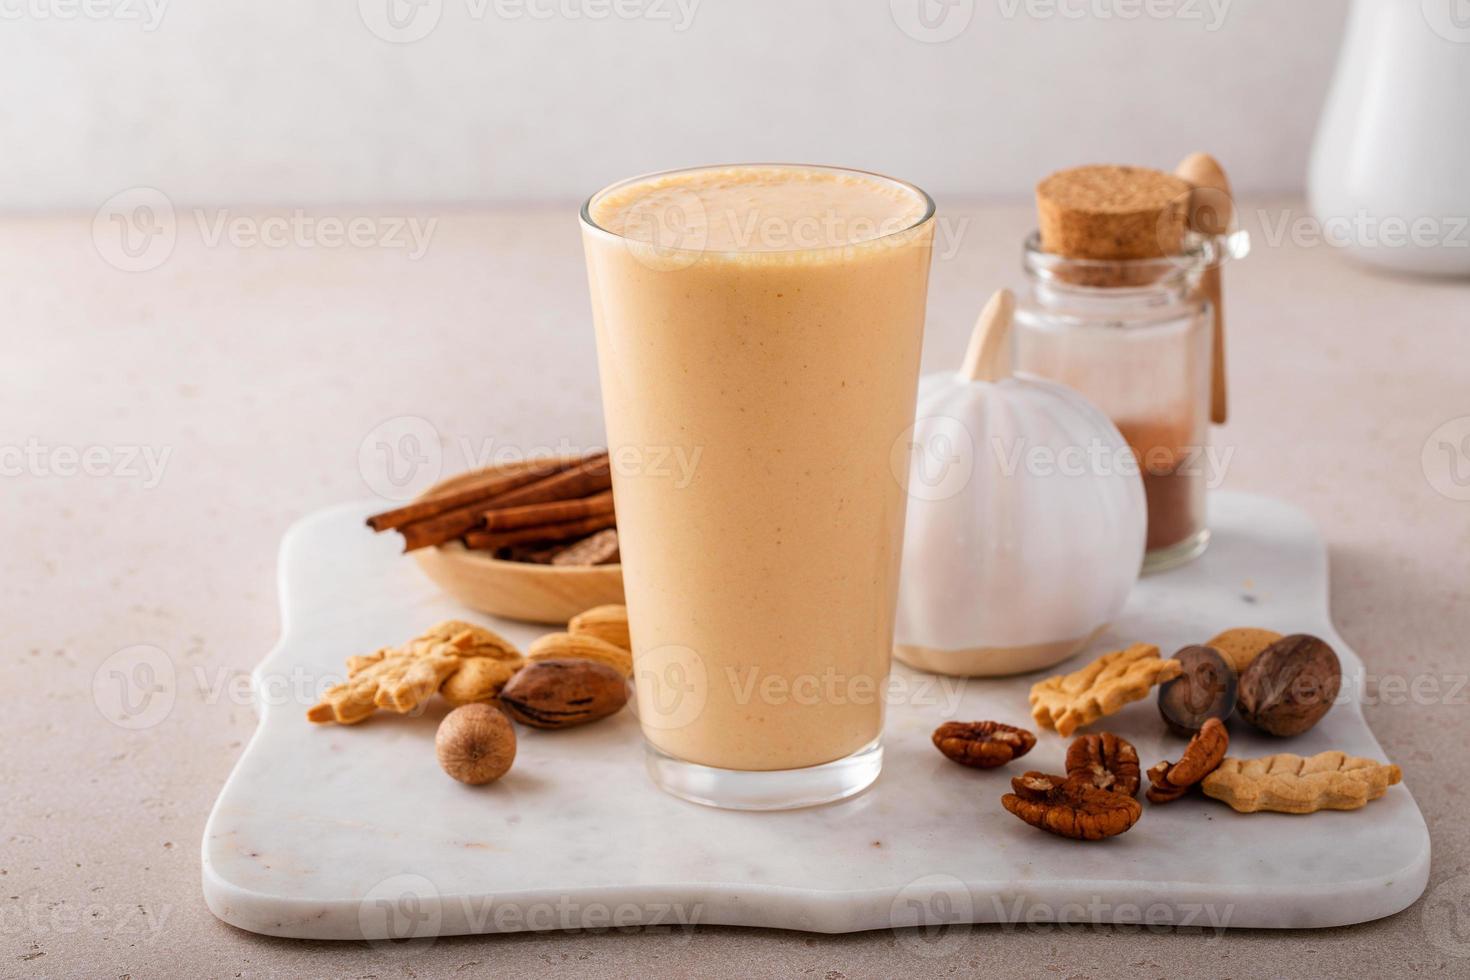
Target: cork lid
x,y
1112,212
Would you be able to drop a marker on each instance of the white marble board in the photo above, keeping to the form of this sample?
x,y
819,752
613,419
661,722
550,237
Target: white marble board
x,y
355,833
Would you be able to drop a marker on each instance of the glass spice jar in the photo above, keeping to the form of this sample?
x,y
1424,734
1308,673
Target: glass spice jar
x,y
1135,336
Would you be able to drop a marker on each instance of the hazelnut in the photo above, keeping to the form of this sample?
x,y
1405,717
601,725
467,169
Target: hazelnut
x,y
1204,690
1290,685
476,743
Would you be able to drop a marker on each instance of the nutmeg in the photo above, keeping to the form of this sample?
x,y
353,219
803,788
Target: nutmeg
x,y
476,743
1204,690
1290,685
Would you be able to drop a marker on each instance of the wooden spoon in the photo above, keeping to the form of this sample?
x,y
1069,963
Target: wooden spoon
x,y
1211,211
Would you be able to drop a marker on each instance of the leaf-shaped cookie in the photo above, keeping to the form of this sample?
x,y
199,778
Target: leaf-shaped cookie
x,y
1287,783
465,640
397,681
400,679
1068,701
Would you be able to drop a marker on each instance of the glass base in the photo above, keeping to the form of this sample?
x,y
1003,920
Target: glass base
x,y
779,789
1179,553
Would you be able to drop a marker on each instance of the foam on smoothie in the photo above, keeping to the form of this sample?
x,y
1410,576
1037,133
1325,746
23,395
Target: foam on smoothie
x,y
758,209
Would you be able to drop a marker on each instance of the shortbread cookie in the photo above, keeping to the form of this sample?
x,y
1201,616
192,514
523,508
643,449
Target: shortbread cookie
x,y
1287,783
467,640
397,681
1068,701
402,678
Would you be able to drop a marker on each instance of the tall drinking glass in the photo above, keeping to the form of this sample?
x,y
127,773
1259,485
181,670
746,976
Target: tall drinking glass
x,y
758,335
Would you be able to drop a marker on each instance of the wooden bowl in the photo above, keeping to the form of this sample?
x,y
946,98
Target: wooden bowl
x,y
517,589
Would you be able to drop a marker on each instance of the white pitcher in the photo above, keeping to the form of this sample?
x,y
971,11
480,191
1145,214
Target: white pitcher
x,y
1390,171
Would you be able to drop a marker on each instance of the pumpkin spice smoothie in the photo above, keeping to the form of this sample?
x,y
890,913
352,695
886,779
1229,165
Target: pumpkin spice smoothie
x,y
765,320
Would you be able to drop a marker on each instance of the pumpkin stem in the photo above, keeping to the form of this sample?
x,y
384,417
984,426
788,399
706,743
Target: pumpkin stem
x,y
988,358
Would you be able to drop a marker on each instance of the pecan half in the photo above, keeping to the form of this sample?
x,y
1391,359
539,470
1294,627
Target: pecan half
x,y
1202,756
1106,761
1070,807
982,744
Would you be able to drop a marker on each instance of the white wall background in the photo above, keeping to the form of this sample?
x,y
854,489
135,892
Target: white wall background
x,y
305,101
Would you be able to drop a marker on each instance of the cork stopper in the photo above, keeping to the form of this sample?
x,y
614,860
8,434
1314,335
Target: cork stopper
x,y
1111,213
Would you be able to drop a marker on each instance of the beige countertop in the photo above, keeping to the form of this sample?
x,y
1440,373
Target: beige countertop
x,y
163,427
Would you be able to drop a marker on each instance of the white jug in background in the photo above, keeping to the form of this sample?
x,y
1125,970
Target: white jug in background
x,y
1390,172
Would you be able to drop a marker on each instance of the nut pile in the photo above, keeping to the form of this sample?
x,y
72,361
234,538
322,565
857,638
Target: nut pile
x,y
564,680
1095,799
1282,685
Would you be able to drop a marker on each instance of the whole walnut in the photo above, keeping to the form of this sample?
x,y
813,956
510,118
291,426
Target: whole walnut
x,y
1290,685
1205,689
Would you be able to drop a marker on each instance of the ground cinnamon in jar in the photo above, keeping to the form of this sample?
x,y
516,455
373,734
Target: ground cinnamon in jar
x,y
1173,490
1111,270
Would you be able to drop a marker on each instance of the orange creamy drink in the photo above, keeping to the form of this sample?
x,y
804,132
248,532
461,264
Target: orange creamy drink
x,y
758,333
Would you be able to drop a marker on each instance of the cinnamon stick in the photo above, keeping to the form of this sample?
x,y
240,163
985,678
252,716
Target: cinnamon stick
x,y
592,475
560,531
480,488
553,512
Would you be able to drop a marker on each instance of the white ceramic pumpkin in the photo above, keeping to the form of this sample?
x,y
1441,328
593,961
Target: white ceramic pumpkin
x,y
1026,518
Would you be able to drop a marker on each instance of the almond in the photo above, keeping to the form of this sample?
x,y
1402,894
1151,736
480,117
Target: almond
x,y
609,623
579,646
